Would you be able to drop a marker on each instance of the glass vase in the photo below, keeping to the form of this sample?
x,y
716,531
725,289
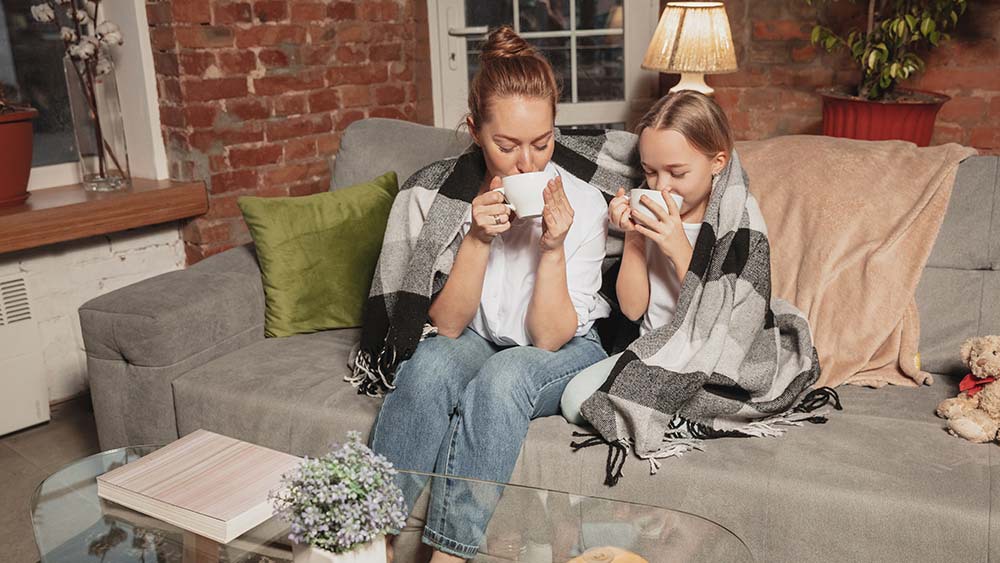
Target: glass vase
x,y
98,124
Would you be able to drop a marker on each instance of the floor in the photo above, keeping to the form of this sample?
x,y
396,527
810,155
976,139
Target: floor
x,y
29,456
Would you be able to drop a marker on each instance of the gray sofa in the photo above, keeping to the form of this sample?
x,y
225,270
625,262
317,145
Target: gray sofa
x,y
882,481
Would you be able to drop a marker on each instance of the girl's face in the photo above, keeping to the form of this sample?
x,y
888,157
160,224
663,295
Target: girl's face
x,y
671,163
518,138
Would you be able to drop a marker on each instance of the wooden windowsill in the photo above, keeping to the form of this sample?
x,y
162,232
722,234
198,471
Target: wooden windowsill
x,y
69,212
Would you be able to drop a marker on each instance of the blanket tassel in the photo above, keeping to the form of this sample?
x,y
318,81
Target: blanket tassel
x,y
817,399
617,453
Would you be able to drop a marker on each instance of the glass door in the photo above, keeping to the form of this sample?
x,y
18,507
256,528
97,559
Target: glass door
x,y
594,46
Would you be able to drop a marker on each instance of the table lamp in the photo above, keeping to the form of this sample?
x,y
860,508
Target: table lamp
x,y
692,39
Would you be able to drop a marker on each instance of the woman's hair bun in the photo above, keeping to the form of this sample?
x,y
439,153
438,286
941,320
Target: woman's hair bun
x,y
504,43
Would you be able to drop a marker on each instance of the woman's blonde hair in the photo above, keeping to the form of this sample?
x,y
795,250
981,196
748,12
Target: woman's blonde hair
x,y
694,115
510,67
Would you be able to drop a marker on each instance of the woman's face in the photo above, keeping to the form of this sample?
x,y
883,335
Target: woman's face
x,y
518,137
669,162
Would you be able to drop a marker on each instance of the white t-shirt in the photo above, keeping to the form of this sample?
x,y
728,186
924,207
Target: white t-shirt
x,y
510,273
664,287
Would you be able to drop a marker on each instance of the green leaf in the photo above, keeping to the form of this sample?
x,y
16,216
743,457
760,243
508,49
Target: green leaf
x,y
927,26
814,38
872,59
912,22
894,70
954,18
934,38
830,42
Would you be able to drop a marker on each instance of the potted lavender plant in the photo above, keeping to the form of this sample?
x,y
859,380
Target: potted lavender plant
x,y
15,151
93,89
341,506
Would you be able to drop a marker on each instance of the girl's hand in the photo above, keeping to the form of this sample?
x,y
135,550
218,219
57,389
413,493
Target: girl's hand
x,y
557,217
490,217
619,212
665,229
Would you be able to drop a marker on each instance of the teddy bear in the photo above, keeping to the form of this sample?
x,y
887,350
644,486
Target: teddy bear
x,y
975,413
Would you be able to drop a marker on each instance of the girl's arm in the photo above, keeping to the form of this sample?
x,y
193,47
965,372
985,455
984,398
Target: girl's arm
x,y
632,285
456,304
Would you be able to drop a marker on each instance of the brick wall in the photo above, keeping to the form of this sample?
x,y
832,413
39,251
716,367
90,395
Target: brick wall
x,y
773,93
254,94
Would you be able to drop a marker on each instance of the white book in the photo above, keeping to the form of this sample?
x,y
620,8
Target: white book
x,y
205,483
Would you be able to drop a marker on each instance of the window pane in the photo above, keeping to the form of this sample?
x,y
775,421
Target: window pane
x,y
493,13
600,68
599,14
31,72
555,49
544,15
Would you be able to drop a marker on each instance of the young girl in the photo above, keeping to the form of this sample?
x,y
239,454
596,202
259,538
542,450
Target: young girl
x,y
684,141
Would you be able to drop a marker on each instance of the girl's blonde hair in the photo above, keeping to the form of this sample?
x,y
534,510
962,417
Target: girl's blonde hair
x,y
509,66
694,115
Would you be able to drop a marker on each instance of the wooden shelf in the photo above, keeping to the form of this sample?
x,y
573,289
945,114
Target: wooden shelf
x,y
69,212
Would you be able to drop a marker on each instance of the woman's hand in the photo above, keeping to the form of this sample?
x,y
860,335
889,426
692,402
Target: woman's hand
x,y
619,212
557,217
665,229
490,217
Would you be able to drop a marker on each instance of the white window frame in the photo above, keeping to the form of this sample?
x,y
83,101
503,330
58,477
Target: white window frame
x,y
136,78
640,85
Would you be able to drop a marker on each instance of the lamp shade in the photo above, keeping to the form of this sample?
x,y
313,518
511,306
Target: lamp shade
x,y
692,37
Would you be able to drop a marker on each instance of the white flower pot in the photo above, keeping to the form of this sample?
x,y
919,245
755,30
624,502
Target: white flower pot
x,y
371,552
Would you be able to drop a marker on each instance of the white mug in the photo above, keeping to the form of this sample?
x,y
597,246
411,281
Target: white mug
x,y
655,195
523,192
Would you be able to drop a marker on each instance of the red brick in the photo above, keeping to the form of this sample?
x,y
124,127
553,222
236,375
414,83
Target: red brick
x,y
324,54
270,190
803,53
198,89
297,149
196,253
248,108
323,100
947,133
342,11
781,30
191,11
270,35
195,63
246,157
808,77
203,36
170,89
348,54
328,145
233,181
172,116
388,32
311,187
308,11
289,173
271,11
162,38
986,136
290,104
288,83
769,52
218,163
298,126
159,14
363,74
237,62
386,95
348,117
201,115
386,52
746,76
354,96
387,112
323,33
214,139
963,110
995,106
400,71
950,78
200,231
166,63
378,11
274,58
232,12
353,32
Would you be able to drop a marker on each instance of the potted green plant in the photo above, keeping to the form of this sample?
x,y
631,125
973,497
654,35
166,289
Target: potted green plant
x,y
887,51
15,151
341,506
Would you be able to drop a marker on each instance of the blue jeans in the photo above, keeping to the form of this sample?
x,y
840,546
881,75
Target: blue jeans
x,y
462,407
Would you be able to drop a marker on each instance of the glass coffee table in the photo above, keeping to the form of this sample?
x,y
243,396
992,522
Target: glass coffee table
x,y
71,524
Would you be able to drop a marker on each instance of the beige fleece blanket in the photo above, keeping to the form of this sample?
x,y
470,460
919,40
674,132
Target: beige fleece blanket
x,y
851,224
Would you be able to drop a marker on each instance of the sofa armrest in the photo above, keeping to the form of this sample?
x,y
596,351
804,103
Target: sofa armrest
x,y
141,337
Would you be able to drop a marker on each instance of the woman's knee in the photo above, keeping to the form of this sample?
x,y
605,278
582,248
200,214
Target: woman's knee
x,y
431,371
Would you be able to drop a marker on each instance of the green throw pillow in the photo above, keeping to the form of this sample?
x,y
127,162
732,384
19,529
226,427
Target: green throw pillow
x,y
317,253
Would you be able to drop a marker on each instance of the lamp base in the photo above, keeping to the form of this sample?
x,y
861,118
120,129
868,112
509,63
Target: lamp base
x,y
693,81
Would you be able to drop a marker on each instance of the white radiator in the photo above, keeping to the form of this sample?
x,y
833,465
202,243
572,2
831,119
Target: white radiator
x,y
24,394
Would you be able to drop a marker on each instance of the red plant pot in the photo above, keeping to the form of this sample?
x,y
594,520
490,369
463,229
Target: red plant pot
x,y
909,119
15,155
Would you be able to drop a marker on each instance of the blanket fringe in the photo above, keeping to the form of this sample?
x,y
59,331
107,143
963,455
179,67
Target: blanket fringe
x,y
674,447
816,400
617,454
376,377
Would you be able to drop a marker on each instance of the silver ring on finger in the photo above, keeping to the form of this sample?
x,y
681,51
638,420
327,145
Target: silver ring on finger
x,y
496,219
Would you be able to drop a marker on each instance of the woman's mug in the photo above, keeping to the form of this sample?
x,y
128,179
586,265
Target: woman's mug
x,y
523,192
635,196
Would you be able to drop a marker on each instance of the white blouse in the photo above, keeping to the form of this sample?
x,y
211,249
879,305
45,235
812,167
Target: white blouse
x,y
513,263
664,287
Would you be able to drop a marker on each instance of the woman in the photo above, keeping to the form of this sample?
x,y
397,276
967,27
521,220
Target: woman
x,y
513,305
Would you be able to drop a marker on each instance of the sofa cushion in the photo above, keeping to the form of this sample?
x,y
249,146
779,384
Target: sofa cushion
x,y
969,238
372,146
881,481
